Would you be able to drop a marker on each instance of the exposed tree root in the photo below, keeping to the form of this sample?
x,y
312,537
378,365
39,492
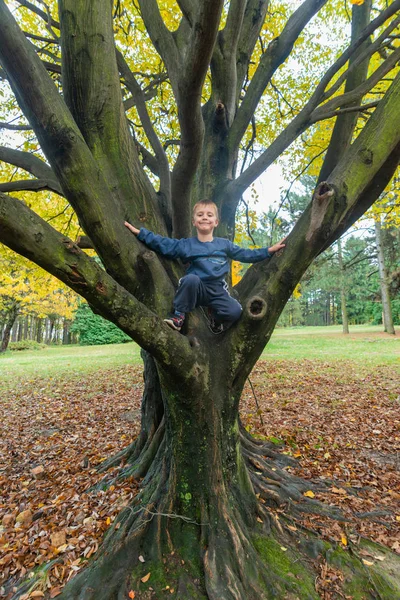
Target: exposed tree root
x,y
240,537
226,555
230,549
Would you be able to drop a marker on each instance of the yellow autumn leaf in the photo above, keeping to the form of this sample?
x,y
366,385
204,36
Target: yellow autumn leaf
x,y
309,494
344,540
108,521
145,578
367,562
357,2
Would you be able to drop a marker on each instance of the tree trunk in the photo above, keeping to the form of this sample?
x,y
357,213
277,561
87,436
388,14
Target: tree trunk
x,y
345,320
204,521
39,323
20,330
383,279
14,332
66,335
197,508
12,315
26,327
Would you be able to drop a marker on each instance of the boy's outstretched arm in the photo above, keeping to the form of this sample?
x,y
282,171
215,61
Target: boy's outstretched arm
x,y
131,228
277,246
168,247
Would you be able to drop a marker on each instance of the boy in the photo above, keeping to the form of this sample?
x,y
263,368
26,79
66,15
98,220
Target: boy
x,y
204,283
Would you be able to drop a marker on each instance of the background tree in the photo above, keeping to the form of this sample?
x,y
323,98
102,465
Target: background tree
x,y
208,63
27,290
94,330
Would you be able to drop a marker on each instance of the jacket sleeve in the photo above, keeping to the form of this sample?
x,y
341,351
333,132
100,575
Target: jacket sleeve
x,y
245,255
168,247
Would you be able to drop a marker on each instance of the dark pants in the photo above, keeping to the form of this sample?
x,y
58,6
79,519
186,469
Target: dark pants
x,y
192,292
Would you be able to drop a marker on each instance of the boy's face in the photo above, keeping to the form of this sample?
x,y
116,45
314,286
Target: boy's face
x,y
204,219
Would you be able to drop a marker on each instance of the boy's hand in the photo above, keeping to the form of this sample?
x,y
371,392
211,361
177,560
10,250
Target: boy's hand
x,y
131,228
277,246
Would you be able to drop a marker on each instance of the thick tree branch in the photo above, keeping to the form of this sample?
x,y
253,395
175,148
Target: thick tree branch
x,y
162,39
358,92
31,163
374,189
352,187
25,232
345,111
344,125
231,33
223,64
189,88
303,119
92,90
140,103
44,16
33,185
187,8
13,127
276,53
253,21
61,141
356,60
149,160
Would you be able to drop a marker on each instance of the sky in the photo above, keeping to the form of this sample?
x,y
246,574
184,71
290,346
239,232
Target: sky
x,y
268,186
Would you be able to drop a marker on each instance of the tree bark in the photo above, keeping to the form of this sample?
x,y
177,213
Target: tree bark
x,y
345,320
345,124
204,520
383,280
12,314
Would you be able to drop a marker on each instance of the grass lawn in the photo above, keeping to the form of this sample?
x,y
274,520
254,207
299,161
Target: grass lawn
x,y
366,345
64,361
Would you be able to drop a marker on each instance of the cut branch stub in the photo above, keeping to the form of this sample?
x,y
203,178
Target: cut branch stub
x,y
323,191
220,118
256,308
320,202
84,242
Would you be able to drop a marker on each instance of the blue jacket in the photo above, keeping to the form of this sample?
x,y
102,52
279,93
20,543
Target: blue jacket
x,y
208,260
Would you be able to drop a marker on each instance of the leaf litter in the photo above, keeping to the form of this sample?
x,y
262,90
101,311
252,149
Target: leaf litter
x,y
339,420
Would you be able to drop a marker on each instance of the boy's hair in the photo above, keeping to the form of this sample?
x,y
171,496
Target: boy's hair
x,y
206,202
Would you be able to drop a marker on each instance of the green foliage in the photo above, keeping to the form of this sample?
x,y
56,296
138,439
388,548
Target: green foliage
x,y
26,345
373,312
94,330
317,300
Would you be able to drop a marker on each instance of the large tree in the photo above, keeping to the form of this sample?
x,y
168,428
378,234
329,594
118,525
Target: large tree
x,y
207,485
